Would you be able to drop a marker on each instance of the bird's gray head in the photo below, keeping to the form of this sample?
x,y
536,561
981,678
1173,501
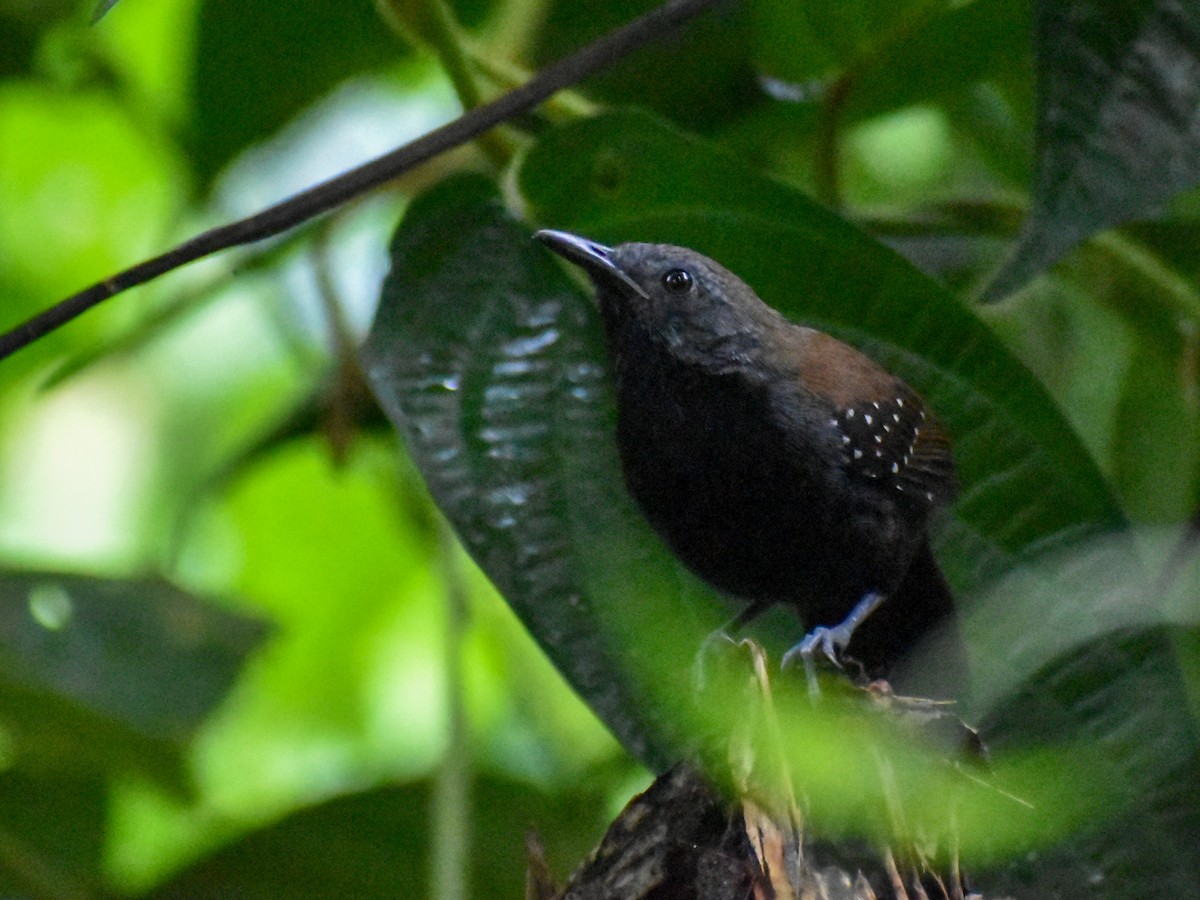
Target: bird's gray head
x,y
669,293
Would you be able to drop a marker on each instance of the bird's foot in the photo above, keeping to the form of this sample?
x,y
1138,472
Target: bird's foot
x,y
830,642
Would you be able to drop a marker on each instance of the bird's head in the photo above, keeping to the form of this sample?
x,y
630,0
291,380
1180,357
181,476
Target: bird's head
x,y
670,293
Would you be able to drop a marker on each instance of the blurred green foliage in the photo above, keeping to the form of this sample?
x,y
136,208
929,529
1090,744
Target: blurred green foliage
x,y
227,664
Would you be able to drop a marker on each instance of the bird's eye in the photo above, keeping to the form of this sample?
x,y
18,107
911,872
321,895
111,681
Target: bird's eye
x,y
677,280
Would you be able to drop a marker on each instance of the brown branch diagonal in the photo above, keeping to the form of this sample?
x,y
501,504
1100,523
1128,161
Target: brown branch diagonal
x,y
335,192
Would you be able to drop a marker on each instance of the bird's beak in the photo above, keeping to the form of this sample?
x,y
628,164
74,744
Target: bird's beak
x,y
595,259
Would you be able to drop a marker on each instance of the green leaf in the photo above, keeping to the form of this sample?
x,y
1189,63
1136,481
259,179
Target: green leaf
x,y
700,76
1156,433
258,65
489,362
1023,472
961,45
326,555
127,189
376,844
1118,101
110,671
803,41
891,55
371,845
21,25
1124,697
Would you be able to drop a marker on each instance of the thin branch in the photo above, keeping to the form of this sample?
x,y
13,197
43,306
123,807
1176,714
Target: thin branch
x,y
336,191
451,801
447,43
502,73
441,32
833,110
828,176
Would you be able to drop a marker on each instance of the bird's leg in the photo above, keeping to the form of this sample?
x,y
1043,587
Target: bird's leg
x,y
831,641
720,637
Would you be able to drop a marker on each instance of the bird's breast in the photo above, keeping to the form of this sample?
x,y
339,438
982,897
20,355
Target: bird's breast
x,y
753,498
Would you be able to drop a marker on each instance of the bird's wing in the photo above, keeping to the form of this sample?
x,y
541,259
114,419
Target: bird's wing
x,y
885,429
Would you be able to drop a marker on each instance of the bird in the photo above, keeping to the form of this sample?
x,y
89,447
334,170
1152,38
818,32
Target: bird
x,y
779,464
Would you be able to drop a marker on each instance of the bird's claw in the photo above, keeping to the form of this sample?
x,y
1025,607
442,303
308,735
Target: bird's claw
x,y
829,642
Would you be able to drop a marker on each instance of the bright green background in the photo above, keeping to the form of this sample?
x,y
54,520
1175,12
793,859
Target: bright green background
x,y
205,429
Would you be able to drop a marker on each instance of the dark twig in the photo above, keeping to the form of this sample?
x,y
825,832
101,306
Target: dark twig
x,y
336,191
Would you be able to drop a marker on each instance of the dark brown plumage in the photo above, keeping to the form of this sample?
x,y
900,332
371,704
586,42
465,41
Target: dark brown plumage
x,y
779,464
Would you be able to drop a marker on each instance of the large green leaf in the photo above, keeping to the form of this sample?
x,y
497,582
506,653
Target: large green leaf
x,y
1124,697
1118,100
1024,474
489,362
99,674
